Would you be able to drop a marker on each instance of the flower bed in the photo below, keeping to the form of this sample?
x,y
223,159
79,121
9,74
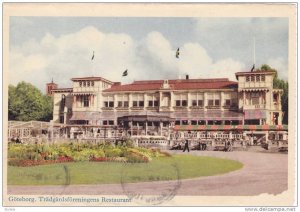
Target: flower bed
x,y
32,155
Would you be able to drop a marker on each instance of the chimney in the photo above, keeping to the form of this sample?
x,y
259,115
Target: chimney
x,y
187,77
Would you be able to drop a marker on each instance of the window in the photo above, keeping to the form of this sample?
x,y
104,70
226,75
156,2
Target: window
x,y
138,100
257,78
252,78
80,84
217,102
227,102
84,83
213,99
263,78
201,122
108,101
85,101
247,78
181,100
185,122
110,122
105,122
197,99
61,119
194,122
92,83
194,103
153,100
63,102
122,100
88,83
177,122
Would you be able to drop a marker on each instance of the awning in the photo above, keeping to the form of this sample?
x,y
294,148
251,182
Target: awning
x,y
208,115
145,118
85,116
83,93
255,114
231,127
254,89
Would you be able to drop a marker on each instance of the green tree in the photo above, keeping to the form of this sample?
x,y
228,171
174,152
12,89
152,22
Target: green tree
x,y
26,103
280,84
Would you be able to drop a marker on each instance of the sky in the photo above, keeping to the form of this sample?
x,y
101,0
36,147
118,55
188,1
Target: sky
x,y
42,48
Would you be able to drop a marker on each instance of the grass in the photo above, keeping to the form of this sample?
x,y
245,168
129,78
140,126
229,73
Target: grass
x,y
164,168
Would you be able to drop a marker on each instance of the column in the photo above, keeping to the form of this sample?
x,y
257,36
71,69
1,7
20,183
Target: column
x,y
129,100
145,100
205,101
161,124
171,100
244,98
222,100
146,127
74,101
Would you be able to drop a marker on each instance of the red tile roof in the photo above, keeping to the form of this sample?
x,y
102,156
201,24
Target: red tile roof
x,y
179,84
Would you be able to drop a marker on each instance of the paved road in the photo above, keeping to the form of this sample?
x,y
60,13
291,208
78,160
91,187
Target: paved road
x,y
262,173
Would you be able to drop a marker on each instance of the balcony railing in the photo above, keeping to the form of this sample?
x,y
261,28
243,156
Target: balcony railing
x,y
263,106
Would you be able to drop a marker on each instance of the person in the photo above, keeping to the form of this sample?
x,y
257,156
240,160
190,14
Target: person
x,y
186,146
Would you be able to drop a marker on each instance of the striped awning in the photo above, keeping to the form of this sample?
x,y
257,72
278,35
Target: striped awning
x,y
85,116
254,89
231,127
82,93
255,114
208,115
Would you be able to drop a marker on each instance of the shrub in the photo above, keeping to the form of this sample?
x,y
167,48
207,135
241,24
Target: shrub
x,y
113,152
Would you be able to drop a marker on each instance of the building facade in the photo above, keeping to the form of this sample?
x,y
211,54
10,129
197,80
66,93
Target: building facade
x,y
156,107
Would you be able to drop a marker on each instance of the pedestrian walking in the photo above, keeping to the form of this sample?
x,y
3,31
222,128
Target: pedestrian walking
x,y
186,146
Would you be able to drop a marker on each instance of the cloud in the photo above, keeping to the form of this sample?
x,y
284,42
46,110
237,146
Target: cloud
x,y
152,57
280,65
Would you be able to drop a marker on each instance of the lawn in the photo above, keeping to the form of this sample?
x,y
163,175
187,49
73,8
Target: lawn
x,y
164,168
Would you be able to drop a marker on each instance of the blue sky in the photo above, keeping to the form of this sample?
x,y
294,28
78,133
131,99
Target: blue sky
x,y
61,47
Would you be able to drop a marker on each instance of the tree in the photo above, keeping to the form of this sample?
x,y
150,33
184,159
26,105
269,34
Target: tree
x,y
280,84
26,103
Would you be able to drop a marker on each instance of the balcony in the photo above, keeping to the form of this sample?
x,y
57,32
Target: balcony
x,y
107,108
196,107
122,108
180,107
152,108
137,108
213,107
253,107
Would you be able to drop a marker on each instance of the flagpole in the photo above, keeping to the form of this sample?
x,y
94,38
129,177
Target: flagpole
x,y
254,50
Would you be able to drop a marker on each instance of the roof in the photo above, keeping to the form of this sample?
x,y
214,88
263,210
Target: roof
x,y
180,84
91,79
254,72
62,90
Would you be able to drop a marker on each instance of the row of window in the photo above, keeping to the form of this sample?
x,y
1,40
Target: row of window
x,y
255,78
209,122
86,83
178,103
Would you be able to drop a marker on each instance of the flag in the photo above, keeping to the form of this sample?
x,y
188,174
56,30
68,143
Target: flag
x,y
252,69
125,73
93,55
177,53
